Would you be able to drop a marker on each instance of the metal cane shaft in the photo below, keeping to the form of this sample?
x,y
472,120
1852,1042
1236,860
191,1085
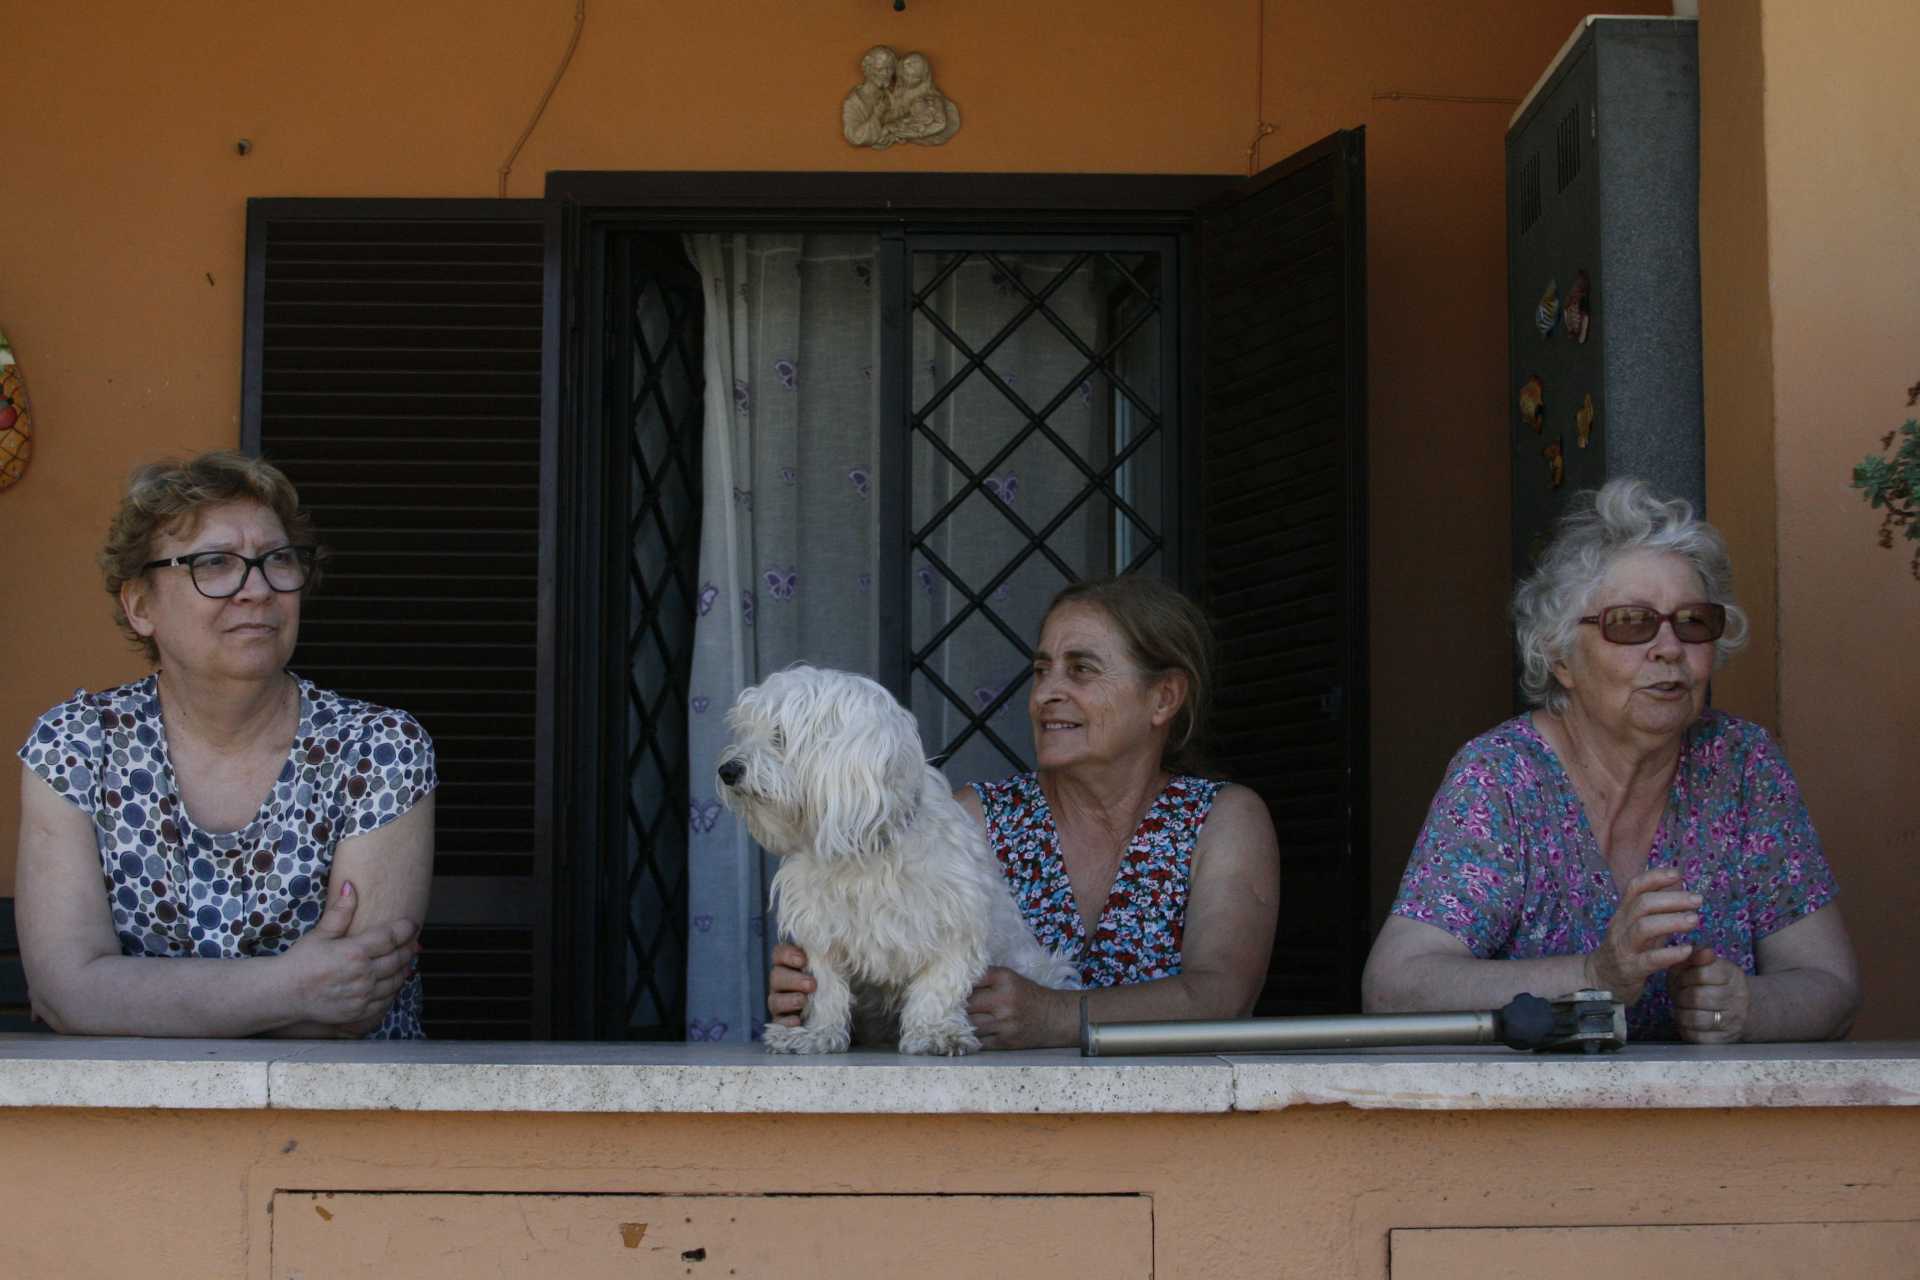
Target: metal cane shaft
x,y
1267,1035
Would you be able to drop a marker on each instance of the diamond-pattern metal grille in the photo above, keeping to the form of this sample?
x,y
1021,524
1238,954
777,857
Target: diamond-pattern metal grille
x,y
1038,430
662,447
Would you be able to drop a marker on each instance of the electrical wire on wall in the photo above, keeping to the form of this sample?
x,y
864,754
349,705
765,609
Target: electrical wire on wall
x,y
1395,95
1261,128
579,25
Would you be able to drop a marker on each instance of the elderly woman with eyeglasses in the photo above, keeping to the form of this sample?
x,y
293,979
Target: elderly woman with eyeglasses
x,y
1620,835
222,808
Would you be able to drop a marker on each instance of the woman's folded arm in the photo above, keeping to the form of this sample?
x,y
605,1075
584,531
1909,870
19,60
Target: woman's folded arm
x,y
346,969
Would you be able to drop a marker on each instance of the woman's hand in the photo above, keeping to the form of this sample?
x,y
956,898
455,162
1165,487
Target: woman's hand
x,y
788,985
1711,998
1011,1012
346,983
1651,910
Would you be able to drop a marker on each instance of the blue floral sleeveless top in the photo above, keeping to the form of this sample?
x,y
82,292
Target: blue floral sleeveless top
x,y
1138,936
176,890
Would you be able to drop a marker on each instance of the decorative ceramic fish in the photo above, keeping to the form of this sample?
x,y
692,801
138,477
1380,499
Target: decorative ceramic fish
x,y
1583,419
1533,403
1549,309
1556,464
16,420
1575,317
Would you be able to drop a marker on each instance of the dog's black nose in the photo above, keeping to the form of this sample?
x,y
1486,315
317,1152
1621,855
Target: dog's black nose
x,y
730,771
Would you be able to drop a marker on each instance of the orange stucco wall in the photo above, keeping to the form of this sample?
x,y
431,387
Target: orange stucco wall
x,y
1836,243
1309,1192
1736,334
122,225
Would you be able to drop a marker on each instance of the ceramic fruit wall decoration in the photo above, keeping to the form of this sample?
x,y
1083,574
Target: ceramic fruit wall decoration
x,y
16,422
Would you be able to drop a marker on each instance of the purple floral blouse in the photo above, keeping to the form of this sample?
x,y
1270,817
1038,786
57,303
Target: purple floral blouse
x,y
1138,935
1507,862
176,890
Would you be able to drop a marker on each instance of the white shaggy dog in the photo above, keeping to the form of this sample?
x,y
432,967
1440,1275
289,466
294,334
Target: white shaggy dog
x,y
885,881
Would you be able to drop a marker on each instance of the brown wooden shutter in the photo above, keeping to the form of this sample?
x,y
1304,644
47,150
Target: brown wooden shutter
x,y
14,1014
393,364
1283,521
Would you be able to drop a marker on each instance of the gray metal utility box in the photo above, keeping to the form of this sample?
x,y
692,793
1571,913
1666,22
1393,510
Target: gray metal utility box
x,y
1603,272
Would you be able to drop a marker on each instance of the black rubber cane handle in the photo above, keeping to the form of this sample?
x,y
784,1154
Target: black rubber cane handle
x,y
1525,1023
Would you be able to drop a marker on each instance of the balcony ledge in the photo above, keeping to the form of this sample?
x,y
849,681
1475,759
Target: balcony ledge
x,y
71,1071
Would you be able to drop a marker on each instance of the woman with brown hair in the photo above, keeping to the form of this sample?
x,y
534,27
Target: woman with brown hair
x,y
1162,884
234,810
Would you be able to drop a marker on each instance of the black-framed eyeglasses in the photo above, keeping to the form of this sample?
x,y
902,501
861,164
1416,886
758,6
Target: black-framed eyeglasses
x,y
220,574
1637,624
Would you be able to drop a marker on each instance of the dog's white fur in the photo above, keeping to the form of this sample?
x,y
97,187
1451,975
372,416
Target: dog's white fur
x,y
885,881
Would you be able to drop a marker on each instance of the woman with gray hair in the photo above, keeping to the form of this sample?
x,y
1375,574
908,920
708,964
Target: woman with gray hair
x,y
1621,836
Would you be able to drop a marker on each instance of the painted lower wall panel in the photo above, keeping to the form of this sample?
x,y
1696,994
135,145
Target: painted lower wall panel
x,y
1735,1251
481,1236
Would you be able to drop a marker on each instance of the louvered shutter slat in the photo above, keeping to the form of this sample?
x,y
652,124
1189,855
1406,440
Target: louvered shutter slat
x,y
398,385
1282,441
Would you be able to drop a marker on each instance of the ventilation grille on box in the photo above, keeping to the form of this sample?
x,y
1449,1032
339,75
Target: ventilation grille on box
x,y
1567,147
1529,192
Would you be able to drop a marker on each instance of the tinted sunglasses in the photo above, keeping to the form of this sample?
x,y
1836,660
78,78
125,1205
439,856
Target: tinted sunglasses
x,y
1637,624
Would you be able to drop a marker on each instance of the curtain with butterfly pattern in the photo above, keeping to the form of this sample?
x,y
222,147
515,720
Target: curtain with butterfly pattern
x,y
787,549
790,530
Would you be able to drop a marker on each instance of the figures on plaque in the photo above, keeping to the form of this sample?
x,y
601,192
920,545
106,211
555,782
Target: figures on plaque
x,y
897,101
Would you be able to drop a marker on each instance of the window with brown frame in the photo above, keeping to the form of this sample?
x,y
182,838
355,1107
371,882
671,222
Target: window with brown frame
x,y
484,401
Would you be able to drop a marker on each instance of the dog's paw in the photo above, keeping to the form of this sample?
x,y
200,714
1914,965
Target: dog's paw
x,y
1062,974
784,1039
941,1040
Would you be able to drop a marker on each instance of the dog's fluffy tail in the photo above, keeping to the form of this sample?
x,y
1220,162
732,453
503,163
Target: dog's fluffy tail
x,y
1048,968
1012,945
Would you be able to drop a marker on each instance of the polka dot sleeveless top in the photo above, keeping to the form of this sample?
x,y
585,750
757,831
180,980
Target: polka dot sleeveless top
x,y
176,890
1139,933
